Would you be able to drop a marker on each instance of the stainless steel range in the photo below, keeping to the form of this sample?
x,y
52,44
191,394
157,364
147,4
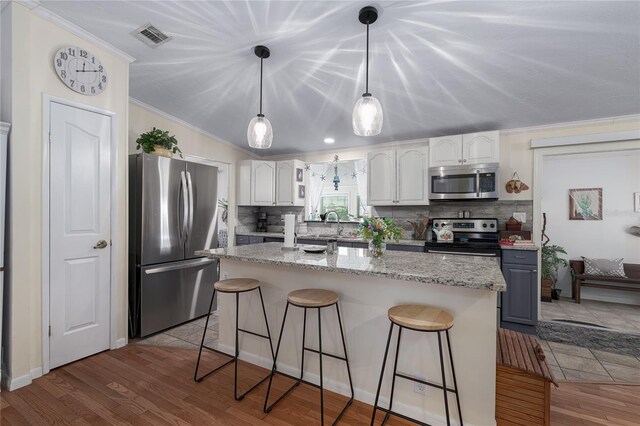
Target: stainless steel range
x,y
472,237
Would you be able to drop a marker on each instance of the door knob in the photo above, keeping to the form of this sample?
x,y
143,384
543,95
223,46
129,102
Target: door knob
x,y
100,244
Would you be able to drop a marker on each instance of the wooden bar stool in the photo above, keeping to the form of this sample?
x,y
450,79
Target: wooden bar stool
x,y
427,320
236,286
310,299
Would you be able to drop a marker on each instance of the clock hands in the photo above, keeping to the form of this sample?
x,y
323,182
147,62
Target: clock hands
x,y
83,70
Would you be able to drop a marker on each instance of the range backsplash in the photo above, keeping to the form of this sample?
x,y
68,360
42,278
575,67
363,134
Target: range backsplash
x,y
501,210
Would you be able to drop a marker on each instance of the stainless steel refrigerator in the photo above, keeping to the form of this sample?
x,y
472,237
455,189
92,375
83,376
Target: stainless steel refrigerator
x,y
173,208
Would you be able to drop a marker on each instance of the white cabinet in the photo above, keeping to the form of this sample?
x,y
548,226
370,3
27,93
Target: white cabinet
x,y
381,178
256,183
445,151
269,183
289,177
397,177
468,149
411,176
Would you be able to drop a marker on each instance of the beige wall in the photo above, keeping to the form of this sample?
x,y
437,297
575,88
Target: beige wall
x,y
515,152
34,43
192,142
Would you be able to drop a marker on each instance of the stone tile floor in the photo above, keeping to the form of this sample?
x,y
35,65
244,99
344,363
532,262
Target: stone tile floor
x,y
613,316
578,364
187,335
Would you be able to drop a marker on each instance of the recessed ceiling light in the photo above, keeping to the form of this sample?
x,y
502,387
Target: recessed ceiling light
x,y
329,140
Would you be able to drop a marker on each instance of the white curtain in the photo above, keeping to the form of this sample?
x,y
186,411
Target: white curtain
x,y
360,166
316,185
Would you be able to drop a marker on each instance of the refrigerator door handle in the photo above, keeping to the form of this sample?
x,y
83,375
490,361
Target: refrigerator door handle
x,y
185,206
190,186
182,265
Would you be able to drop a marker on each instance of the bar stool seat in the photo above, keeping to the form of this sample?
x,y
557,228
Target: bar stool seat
x,y
420,317
312,298
236,285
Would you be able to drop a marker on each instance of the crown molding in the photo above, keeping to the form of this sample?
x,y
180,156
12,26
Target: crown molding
x,y
4,128
44,13
585,139
573,124
190,126
30,4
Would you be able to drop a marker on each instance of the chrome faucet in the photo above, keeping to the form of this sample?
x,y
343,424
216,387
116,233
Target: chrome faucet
x,y
326,220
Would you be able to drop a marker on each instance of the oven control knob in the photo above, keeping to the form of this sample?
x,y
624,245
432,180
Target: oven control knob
x,y
493,225
484,225
435,225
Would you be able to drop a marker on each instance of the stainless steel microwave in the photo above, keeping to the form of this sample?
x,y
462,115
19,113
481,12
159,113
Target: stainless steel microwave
x,y
479,182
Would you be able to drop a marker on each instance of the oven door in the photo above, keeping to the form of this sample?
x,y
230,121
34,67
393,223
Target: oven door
x,y
463,182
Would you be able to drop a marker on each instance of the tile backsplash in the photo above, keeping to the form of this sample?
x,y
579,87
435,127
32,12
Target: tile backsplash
x,y
501,210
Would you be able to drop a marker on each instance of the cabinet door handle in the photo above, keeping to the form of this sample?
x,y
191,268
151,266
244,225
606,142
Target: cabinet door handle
x,y
519,257
459,161
535,270
464,161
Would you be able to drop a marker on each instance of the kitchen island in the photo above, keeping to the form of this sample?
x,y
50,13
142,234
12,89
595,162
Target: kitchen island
x,y
465,286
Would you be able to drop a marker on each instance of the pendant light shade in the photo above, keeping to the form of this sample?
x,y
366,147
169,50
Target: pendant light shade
x,y
260,132
367,116
367,113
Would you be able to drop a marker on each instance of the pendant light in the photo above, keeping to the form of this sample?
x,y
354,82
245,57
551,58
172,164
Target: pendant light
x,y
367,113
259,132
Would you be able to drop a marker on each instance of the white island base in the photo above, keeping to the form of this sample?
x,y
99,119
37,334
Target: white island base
x,y
364,301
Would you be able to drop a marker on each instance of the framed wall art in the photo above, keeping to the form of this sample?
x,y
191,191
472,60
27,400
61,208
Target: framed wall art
x,y
585,204
301,192
299,175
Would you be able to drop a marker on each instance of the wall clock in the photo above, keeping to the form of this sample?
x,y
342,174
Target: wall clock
x,y
80,70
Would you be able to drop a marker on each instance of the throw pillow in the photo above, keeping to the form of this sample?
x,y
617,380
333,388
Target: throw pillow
x,y
604,267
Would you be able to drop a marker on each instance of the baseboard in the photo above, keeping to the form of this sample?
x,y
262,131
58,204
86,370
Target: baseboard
x,y
120,343
343,388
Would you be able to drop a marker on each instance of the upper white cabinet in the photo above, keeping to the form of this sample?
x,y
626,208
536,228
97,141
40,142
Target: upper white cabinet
x,y
469,149
270,183
445,151
397,177
256,183
381,178
289,177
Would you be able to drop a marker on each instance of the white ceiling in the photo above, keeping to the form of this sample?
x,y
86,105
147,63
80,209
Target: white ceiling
x,y
437,67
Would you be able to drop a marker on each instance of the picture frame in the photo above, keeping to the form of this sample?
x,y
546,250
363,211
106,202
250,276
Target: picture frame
x,y
585,204
636,202
301,191
299,175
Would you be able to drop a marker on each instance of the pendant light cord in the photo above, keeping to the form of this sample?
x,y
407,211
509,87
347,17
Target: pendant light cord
x,y
261,61
366,90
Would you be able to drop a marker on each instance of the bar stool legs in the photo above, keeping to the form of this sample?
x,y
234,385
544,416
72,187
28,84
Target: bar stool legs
x,y
443,387
321,354
234,358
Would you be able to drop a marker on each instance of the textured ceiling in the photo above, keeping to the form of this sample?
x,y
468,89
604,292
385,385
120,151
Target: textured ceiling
x,y
437,67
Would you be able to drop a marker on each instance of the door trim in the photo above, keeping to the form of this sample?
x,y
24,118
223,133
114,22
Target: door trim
x,y
47,100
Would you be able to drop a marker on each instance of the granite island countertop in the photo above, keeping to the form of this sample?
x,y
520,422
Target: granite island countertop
x,y
347,239
462,271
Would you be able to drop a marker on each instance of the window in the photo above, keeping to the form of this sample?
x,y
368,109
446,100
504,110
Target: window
x,y
338,203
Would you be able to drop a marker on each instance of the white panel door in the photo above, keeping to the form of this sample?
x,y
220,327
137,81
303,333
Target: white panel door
x,y
411,171
445,151
263,183
80,233
481,148
284,183
381,178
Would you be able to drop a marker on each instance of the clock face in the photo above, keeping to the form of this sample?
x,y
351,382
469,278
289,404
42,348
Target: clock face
x,y
80,70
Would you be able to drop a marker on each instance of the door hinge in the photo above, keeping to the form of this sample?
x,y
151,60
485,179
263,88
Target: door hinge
x,y
49,331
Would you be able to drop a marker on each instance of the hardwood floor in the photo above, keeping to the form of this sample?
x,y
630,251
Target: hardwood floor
x,y
148,385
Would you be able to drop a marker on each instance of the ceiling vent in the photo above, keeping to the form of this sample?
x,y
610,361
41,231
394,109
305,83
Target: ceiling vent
x,y
151,36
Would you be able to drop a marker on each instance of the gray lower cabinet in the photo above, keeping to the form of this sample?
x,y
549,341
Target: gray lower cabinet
x,y
402,247
519,308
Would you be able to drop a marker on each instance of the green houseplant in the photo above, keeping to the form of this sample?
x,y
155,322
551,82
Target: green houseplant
x,y
158,142
550,262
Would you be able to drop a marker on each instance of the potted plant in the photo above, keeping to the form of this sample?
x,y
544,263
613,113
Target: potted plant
x,y
376,231
550,262
158,142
